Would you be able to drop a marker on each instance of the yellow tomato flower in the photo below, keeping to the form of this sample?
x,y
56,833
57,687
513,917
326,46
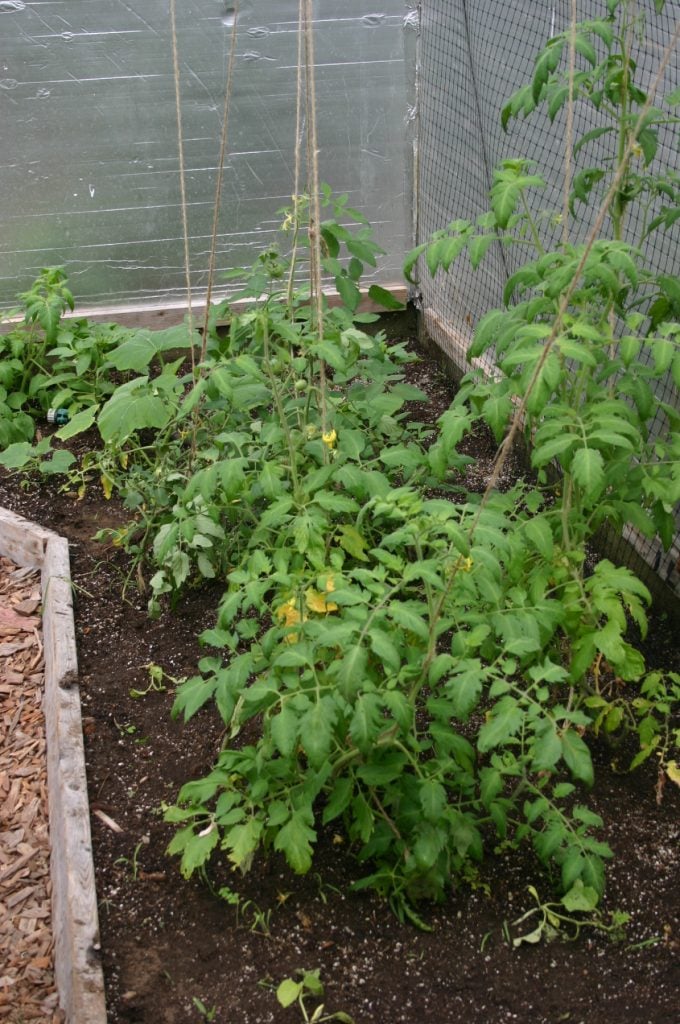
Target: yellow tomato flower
x,y
329,439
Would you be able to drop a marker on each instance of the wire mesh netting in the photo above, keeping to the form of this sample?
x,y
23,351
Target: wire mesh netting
x,y
474,55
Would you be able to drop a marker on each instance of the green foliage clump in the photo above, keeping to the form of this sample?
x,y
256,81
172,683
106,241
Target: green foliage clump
x,y
419,667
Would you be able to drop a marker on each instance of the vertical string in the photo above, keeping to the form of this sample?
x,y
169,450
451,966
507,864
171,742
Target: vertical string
x,y
568,149
314,203
182,181
298,158
298,102
220,179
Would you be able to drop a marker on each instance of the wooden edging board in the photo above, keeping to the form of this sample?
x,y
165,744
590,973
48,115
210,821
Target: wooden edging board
x,y
155,316
75,922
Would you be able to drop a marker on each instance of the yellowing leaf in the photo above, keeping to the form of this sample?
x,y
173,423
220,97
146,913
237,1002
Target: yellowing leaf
x,y
288,612
107,485
673,772
319,603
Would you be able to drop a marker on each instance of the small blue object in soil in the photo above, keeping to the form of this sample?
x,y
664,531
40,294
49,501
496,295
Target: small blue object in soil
x,y
58,416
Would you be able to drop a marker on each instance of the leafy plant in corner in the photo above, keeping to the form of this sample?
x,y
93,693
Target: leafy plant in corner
x,y
586,339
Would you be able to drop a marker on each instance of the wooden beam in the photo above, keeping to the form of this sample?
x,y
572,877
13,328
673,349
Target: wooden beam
x,y
75,922
22,542
61,663
156,316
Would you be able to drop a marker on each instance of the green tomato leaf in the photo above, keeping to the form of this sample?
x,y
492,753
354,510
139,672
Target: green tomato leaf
x,y
295,840
316,730
505,722
348,292
580,898
465,687
587,467
577,756
433,801
540,536
478,247
352,672
197,848
547,748
383,298
339,798
366,721
284,730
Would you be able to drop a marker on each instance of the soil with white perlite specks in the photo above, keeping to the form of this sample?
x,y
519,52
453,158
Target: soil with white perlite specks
x,y
168,943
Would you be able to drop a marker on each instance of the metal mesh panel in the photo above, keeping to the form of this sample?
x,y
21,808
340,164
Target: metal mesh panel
x,y
474,55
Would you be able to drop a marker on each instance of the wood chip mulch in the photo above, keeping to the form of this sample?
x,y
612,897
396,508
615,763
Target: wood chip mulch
x,y
27,988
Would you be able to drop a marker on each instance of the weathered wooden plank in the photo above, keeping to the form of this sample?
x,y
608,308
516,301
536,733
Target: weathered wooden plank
x,y
74,905
22,541
172,313
75,921
61,662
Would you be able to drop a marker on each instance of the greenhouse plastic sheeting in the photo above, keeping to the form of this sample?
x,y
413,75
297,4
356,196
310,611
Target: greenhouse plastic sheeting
x,y
473,55
89,166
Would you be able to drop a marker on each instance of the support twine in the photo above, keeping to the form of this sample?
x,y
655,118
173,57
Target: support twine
x,y
220,177
314,189
182,179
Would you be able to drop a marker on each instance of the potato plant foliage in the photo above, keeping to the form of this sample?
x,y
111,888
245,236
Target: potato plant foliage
x,y
416,667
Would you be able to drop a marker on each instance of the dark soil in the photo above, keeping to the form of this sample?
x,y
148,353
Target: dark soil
x,y
167,942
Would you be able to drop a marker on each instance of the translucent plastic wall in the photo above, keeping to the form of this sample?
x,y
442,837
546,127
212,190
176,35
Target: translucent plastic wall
x,y
89,160
473,55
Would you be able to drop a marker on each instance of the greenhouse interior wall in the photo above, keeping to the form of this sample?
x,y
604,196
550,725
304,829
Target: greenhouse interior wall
x,y
90,167
408,101
473,56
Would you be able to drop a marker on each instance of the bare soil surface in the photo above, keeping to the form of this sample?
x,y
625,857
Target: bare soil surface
x,y
168,943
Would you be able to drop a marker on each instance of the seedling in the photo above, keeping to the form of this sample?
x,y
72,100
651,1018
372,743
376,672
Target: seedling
x,y
156,685
125,728
133,862
206,1014
309,986
256,920
553,922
